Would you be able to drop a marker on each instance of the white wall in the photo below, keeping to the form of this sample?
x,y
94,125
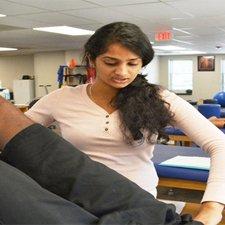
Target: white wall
x,y
152,71
78,55
45,69
43,66
13,67
205,84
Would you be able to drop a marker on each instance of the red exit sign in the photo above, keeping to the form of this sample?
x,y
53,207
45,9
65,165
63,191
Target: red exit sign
x,y
163,36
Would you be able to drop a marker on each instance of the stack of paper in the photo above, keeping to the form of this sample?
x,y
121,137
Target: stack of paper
x,y
192,162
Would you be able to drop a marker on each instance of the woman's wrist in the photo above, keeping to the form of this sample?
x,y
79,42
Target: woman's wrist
x,y
213,205
210,213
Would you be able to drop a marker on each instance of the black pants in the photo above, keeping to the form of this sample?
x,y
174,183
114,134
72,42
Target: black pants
x,y
61,185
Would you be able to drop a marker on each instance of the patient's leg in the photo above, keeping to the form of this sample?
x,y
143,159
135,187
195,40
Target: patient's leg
x,y
62,169
23,201
12,121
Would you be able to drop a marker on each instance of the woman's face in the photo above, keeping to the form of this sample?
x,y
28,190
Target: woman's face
x,y
117,67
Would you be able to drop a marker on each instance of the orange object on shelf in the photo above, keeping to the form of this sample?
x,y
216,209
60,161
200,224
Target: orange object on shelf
x,y
72,63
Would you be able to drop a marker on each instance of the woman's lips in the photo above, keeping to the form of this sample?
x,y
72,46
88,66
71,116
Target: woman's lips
x,y
119,80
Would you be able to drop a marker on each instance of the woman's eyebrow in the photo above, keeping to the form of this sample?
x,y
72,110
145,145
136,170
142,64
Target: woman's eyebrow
x,y
108,57
112,58
134,59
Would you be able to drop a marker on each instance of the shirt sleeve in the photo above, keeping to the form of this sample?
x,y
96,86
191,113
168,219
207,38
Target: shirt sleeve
x,y
208,137
43,110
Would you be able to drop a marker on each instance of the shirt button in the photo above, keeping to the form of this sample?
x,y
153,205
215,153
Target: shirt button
x,y
107,122
107,116
106,129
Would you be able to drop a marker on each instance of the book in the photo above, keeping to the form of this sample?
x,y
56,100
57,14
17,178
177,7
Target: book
x,y
191,162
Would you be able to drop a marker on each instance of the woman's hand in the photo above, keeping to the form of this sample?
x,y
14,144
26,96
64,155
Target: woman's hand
x,y
210,213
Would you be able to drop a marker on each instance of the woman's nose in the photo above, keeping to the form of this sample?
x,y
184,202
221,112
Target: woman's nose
x,y
121,70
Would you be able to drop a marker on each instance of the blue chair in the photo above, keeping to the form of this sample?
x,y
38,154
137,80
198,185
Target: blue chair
x,y
209,110
220,97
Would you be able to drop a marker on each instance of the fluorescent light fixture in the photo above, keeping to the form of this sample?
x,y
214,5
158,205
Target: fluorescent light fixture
x,y
187,52
185,42
65,30
177,18
2,15
191,52
182,31
221,28
169,48
208,57
7,49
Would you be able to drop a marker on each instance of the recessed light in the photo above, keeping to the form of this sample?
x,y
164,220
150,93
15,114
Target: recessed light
x,y
185,42
2,15
168,48
65,30
208,57
182,31
187,52
191,52
7,49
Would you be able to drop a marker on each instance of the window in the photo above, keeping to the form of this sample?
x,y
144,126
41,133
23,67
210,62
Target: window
x,y
180,75
223,74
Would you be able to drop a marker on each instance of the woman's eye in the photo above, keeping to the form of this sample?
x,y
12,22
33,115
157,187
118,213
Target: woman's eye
x,y
132,64
110,63
114,64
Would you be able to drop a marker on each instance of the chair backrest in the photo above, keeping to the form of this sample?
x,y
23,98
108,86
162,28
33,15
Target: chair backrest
x,y
209,110
210,101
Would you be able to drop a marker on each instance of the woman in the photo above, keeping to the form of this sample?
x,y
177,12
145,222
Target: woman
x,y
116,120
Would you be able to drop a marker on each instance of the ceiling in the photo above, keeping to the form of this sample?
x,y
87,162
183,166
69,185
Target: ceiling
x,y
196,24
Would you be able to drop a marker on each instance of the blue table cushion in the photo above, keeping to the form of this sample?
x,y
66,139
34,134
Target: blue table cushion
x,y
176,131
173,131
209,110
164,152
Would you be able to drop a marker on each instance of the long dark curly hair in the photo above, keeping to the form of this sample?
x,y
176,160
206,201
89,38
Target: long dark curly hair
x,y
140,105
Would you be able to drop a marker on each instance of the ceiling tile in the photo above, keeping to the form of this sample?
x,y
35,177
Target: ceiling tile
x,y
154,12
121,2
200,8
20,22
204,19
7,28
102,15
56,4
209,31
56,19
9,8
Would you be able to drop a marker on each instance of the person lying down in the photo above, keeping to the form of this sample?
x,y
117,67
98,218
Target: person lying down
x,y
46,180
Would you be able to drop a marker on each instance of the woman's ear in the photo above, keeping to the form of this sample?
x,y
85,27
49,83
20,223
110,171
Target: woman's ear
x,y
90,63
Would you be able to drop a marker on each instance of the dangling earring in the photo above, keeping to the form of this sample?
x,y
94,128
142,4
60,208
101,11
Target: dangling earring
x,y
91,72
92,65
89,62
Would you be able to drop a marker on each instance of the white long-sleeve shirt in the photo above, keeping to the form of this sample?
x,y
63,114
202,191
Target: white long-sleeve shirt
x,y
95,132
